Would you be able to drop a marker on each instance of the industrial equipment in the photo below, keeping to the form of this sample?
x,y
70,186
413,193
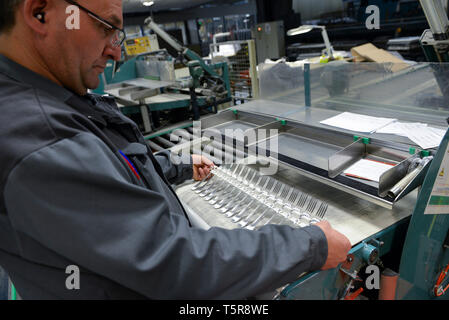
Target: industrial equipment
x,y
435,41
279,163
148,85
242,62
270,40
139,45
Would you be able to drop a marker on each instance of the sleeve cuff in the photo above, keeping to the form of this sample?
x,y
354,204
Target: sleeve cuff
x,y
187,170
184,170
319,246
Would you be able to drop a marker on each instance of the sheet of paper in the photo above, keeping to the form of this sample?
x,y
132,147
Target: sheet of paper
x,y
426,138
357,122
368,169
401,128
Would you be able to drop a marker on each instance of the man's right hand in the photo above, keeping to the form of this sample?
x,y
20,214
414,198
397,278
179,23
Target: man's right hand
x,y
338,246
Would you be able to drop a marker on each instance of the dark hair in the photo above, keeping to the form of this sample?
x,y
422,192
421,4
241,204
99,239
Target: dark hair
x,y
7,13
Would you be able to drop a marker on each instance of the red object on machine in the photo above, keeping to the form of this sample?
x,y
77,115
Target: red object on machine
x,y
439,290
388,283
354,295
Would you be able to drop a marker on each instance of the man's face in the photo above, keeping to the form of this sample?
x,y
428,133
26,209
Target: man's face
x,y
77,57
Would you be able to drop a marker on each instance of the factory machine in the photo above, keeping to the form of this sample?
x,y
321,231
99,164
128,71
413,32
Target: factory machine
x,y
279,164
290,158
148,85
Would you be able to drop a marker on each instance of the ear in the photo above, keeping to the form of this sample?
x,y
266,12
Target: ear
x,y
36,14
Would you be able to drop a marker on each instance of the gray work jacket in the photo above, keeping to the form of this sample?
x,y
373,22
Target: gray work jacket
x,y
80,187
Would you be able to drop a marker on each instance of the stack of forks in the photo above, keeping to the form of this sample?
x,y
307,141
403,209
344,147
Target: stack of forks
x,y
252,200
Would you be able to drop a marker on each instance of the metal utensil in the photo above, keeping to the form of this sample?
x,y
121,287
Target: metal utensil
x,y
241,214
247,221
259,218
198,184
320,213
233,212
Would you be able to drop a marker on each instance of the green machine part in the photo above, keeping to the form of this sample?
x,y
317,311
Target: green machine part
x,y
426,249
127,72
194,57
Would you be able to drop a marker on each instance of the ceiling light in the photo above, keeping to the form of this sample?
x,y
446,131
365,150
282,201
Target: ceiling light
x,y
148,3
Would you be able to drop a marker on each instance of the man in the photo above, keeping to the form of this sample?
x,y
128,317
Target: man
x,y
80,187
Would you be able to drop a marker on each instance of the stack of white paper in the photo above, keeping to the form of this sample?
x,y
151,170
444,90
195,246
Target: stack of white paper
x,y
368,169
357,122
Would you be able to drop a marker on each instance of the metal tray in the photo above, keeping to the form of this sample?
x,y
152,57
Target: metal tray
x,y
319,153
131,91
302,149
324,154
228,121
236,125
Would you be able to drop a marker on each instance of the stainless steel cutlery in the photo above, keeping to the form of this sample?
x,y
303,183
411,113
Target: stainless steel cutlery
x,y
252,200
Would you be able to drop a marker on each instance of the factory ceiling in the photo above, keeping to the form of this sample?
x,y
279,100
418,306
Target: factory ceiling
x,y
136,6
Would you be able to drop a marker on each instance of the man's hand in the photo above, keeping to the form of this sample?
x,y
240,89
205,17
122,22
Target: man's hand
x,y
338,246
201,167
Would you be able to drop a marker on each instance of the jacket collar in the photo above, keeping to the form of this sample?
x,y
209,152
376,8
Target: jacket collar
x,y
21,74
87,105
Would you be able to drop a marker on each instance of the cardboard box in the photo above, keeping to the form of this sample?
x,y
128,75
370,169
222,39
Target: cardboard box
x,y
369,52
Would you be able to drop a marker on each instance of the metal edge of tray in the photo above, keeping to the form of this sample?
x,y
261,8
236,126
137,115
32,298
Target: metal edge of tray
x,y
417,181
342,187
343,159
358,188
355,187
389,178
374,141
210,127
228,115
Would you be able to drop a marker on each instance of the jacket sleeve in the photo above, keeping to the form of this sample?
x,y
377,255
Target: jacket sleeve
x,y
82,204
175,168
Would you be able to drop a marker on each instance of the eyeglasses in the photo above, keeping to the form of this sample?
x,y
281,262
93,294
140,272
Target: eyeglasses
x,y
119,34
